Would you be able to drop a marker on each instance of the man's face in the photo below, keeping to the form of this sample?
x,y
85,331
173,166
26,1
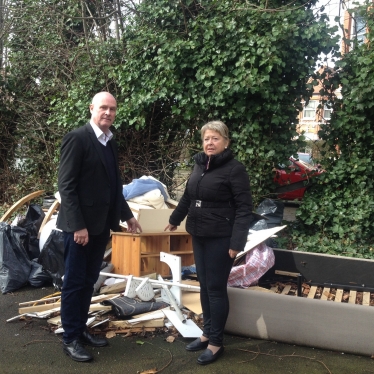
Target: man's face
x,y
103,110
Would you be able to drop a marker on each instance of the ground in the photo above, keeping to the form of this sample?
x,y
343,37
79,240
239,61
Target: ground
x,y
30,347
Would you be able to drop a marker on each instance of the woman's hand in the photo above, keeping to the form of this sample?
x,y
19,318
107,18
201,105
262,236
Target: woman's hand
x,y
233,253
170,227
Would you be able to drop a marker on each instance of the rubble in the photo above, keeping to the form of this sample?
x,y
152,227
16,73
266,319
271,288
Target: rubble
x,y
177,301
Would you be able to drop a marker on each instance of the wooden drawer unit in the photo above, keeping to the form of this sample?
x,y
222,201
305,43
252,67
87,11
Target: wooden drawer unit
x,y
139,254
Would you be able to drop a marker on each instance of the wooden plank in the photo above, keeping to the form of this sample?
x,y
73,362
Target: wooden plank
x,y
154,245
352,297
338,296
274,289
142,234
159,322
99,307
28,303
38,308
42,308
55,321
286,273
101,298
126,254
312,292
366,298
325,293
19,203
134,330
286,289
181,244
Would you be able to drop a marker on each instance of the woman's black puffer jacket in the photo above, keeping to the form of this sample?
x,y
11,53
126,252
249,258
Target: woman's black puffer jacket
x,y
217,200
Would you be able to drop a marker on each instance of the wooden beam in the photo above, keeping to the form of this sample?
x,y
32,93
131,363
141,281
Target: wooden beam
x,y
286,273
38,308
100,298
45,307
134,330
312,292
286,290
338,296
366,298
29,303
352,297
325,293
159,322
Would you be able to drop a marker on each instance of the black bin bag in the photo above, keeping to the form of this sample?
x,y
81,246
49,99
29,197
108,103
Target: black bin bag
x,y
38,276
31,223
15,265
272,210
52,257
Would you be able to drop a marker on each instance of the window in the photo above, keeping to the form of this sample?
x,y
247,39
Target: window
x,y
310,110
358,28
326,112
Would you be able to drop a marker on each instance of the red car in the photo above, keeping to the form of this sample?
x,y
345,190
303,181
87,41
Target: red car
x,y
293,179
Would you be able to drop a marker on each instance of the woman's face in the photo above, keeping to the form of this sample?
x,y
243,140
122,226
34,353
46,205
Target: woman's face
x,y
214,143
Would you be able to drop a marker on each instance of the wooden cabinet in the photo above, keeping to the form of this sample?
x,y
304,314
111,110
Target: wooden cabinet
x,y
139,254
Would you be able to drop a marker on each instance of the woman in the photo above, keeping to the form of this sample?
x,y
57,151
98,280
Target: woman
x,y
218,202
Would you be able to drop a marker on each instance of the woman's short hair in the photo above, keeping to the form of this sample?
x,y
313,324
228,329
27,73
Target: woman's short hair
x,y
217,126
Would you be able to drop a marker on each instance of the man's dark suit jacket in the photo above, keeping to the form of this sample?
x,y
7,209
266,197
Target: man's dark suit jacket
x,y
84,185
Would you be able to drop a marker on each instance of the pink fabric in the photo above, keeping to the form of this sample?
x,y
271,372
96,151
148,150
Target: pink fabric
x,y
257,262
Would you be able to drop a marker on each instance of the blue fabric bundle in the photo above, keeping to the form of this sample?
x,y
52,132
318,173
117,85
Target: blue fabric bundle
x,y
140,186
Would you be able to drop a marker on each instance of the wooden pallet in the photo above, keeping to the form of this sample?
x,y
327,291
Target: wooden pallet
x,y
336,295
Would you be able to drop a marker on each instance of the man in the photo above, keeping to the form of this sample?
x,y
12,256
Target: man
x,y
92,203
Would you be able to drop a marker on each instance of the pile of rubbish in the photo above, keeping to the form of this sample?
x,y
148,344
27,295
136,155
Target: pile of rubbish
x,y
31,252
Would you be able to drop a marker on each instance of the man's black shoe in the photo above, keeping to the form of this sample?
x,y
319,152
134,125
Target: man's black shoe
x,y
76,351
197,345
207,357
88,339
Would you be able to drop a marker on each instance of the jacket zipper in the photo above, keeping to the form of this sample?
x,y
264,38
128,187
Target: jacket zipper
x,y
222,217
198,183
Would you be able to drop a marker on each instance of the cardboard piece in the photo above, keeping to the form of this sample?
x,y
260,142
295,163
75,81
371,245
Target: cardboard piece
x,y
191,301
191,298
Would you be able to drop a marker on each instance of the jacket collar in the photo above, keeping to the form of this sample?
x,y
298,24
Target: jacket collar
x,y
215,160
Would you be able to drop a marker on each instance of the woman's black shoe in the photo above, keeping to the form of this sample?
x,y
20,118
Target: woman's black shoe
x,y
197,345
207,357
